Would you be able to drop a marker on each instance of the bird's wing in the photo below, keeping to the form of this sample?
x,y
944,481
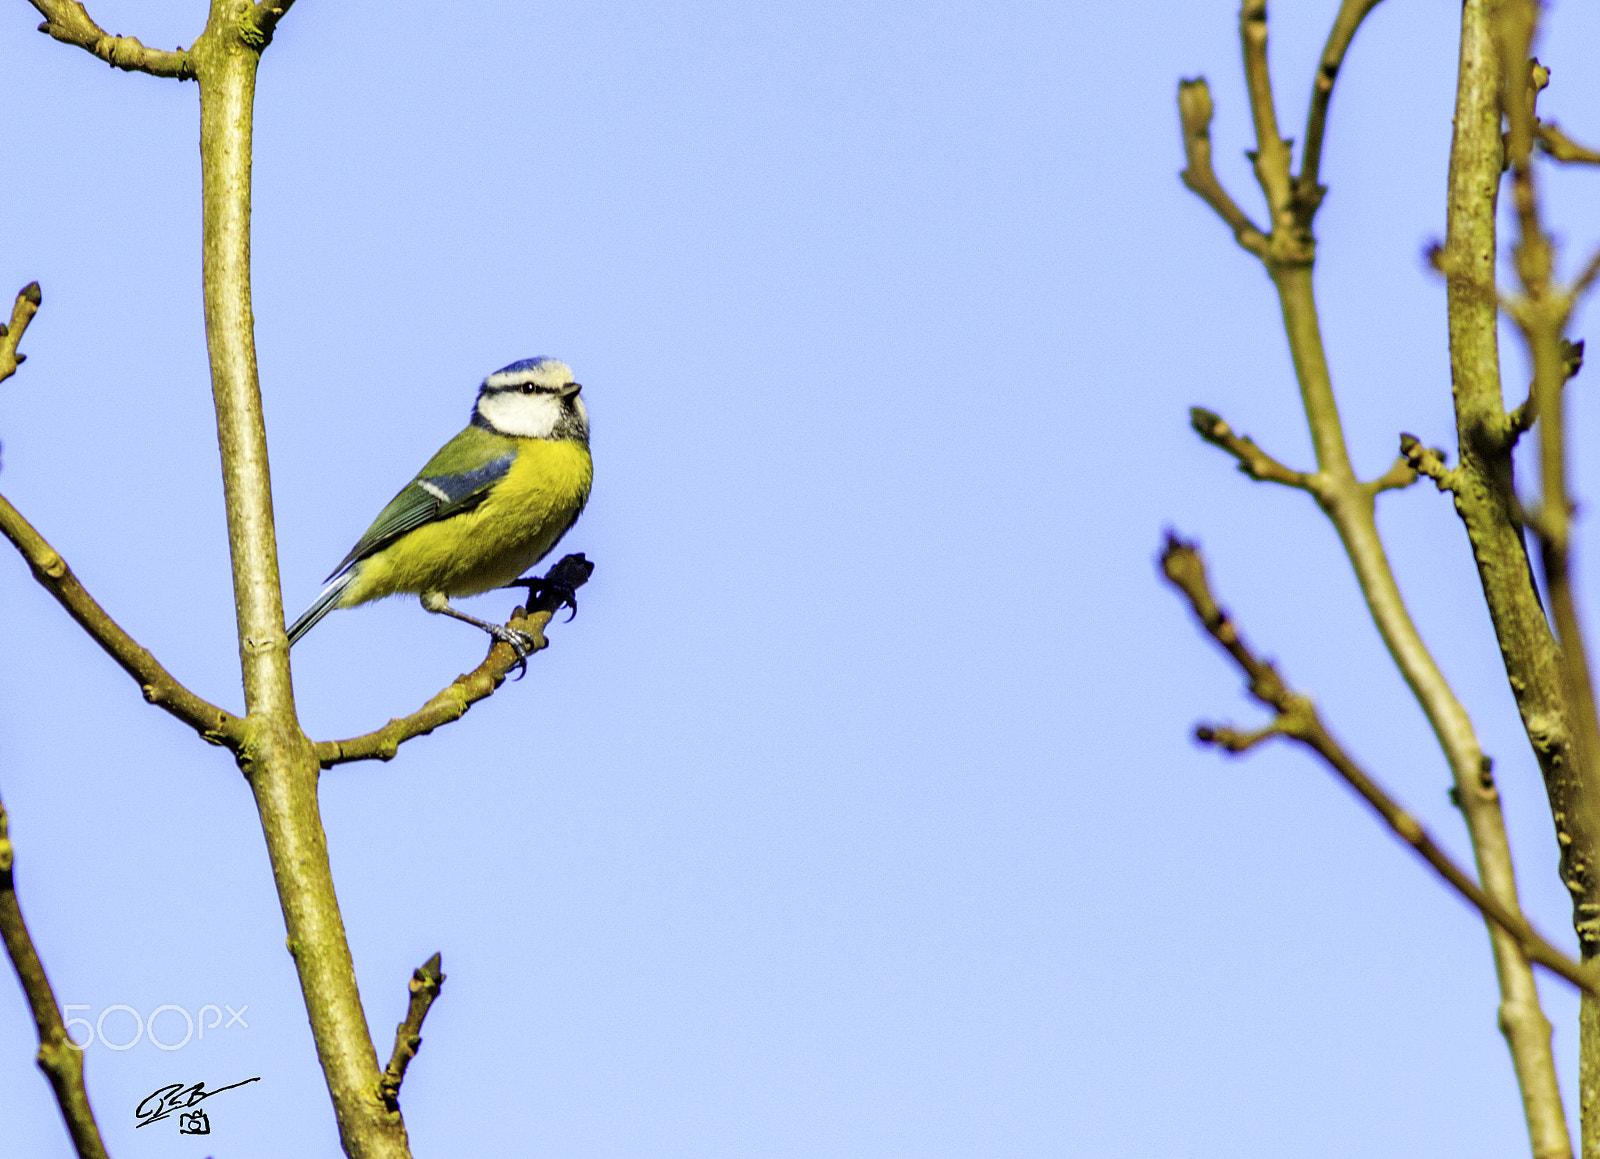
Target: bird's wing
x,y
447,486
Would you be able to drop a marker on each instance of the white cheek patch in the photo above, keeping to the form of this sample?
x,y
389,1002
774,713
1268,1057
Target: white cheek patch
x,y
522,416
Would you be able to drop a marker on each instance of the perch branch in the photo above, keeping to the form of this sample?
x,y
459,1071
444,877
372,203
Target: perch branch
x,y
22,312
452,702
61,1061
1297,718
68,22
160,688
424,987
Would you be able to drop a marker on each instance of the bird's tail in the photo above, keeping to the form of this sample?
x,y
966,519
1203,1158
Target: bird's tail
x,y
327,599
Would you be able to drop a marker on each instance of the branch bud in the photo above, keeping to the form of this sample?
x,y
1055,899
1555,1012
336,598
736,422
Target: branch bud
x,y
1194,107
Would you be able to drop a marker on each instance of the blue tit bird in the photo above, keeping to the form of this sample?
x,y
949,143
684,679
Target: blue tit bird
x,y
492,503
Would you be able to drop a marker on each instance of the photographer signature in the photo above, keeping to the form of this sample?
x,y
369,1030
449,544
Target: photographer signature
x,y
178,1098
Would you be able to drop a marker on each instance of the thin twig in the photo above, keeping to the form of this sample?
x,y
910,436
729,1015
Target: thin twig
x,y
1308,194
22,312
1271,157
424,986
68,22
1526,413
59,1058
1297,718
1557,144
1428,462
452,702
159,686
1400,475
1253,461
1194,114
264,17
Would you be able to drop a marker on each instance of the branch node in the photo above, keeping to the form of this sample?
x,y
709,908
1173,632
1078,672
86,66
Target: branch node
x,y
1429,463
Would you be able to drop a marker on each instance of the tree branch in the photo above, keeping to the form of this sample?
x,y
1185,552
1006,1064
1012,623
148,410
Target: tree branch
x,y
68,22
158,685
262,21
277,758
1253,461
1400,475
1297,718
61,1061
1308,194
1349,505
1557,144
22,312
1526,413
424,987
1485,498
1542,313
452,702
1428,462
1194,115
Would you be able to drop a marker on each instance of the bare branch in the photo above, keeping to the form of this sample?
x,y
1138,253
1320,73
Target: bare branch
x,y
1308,194
1232,739
1591,270
160,688
262,21
1253,461
424,986
452,702
1552,141
1400,475
1526,413
61,1061
1194,113
22,312
68,22
1428,462
1297,719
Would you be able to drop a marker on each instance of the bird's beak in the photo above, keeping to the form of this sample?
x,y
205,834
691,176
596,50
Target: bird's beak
x,y
570,389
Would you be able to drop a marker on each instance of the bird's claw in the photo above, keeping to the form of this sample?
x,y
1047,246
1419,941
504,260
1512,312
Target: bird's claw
x,y
524,644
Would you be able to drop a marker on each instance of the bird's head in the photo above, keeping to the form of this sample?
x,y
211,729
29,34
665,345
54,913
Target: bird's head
x,y
533,399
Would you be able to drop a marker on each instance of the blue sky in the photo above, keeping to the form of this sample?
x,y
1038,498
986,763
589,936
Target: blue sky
x,y
855,814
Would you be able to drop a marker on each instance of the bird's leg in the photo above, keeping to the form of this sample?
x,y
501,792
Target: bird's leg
x,y
559,586
523,644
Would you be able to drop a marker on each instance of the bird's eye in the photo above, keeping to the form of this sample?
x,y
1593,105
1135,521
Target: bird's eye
x,y
528,388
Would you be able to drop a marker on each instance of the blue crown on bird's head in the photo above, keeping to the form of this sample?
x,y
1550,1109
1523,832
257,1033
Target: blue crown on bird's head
x,y
545,370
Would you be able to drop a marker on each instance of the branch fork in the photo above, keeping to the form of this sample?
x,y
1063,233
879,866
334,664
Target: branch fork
x,y
1296,718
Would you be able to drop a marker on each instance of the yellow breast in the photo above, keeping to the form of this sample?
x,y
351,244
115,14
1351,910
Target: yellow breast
x,y
525,515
